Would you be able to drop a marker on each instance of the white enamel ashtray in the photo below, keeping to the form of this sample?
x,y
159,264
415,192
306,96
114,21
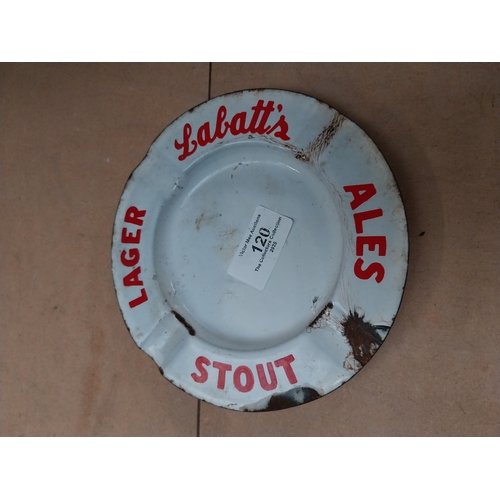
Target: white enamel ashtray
x,y
260,250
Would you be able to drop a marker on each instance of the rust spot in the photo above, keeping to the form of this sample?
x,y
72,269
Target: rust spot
x,y
317,147
362,336
228,232
181,319
205,219
324,314
199,220
291,398
301,155
422,233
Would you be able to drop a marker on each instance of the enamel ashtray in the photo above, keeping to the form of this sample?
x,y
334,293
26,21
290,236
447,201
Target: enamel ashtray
x,y
260,250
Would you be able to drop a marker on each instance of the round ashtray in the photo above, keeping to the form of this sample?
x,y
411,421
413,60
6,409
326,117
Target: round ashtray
x,y
260,250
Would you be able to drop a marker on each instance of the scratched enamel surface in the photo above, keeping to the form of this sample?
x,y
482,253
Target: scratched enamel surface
x,y
334,289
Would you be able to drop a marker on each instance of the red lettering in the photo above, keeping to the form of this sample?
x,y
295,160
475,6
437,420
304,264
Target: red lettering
x,y
223,368
132,279
139,300
238,124
361,194
131,237
273,383
268,109
135,216
185,144
365,274
203,376
371,242
360,217
282,132
255,117
249,379
286,364
203,135
243,376
131,257
221,116
134,257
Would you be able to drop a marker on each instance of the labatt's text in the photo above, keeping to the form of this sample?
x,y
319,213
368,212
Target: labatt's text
x,y
237,125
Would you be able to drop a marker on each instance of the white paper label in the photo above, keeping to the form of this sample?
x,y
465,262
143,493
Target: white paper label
x,y
258,253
